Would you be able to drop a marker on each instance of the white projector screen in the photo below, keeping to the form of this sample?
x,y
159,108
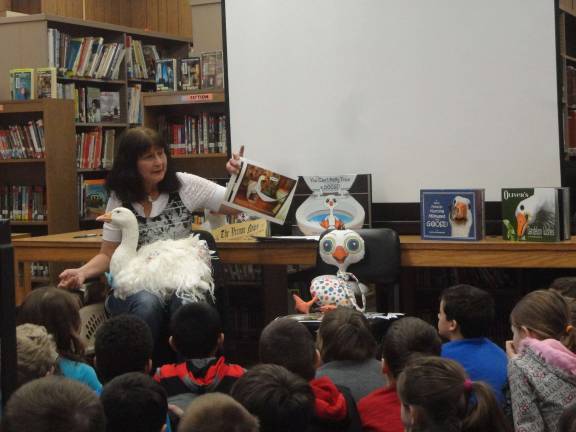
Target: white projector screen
x,y
419,93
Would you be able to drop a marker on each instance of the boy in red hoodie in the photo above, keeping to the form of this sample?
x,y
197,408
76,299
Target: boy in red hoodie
x,y
288,343
196,334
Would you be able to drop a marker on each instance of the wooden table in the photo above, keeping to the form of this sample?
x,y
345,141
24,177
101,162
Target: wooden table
x,y
80,246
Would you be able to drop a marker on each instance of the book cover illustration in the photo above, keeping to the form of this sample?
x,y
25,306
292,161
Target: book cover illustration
x,y
535,214
95,198
166,79
190,73
46,84
212,70
452,214
110,106
261,191
93,112
22,84
323,202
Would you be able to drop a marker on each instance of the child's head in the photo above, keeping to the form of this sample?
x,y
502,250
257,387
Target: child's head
x,y
543,314
134,402
405,339
465,312
565,286
54,404
36,353
436,395
123,344
280,399
288,343
567,422
196,330
345,334
57,310
217,412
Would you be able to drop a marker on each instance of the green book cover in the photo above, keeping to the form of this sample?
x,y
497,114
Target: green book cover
x,y
531,214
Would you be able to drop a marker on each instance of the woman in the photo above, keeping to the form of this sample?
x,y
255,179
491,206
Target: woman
x,y
143,180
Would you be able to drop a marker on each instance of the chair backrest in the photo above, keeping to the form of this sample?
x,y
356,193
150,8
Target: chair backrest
x,y
381,263
91,317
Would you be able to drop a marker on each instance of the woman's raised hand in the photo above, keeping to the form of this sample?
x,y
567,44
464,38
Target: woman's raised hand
x,y
233,165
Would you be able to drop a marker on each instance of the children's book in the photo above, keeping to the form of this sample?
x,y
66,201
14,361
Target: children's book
x,y
261,191
95,198
46,84
22,84
93,112
337,201
190,73
166,79
110,106
452,214
212,70
540,214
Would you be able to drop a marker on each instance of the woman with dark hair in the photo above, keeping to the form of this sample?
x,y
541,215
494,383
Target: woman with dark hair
x,y
143,180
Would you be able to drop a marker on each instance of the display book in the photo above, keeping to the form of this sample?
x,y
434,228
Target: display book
x,y
452,214
22,84
260,191
540,214
93,197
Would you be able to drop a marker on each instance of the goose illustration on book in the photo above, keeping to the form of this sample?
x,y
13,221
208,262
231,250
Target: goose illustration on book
x,y
460,217
331,221
255,188
538,209
163,267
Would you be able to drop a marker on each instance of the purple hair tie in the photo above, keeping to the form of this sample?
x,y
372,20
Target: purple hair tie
x,y
468,385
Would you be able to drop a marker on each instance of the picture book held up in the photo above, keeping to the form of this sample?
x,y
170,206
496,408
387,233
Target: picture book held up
x,y
261,191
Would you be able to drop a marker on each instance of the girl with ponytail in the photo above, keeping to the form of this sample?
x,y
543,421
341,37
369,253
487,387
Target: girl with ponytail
x,y
437,395
542,365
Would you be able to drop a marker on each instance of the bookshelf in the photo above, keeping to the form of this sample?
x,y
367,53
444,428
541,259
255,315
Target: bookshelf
x,y
55,171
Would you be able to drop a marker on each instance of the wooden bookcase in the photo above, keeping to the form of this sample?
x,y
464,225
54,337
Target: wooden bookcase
x,y
56,171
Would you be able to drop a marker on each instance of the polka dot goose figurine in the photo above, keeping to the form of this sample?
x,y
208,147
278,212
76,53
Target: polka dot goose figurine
x,y
340,248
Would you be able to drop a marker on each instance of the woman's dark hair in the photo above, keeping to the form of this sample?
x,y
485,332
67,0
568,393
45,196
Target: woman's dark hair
x,y
124,179
406,338
345,334
57,310
441,395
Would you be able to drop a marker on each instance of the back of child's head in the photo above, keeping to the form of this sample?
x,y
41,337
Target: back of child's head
x,y
440,397
36,353
288,343
565,286
54,404
282,401
123,344
472,308
567,421
407,338
195,330
134,402
57,310
217,412
344,334
547,315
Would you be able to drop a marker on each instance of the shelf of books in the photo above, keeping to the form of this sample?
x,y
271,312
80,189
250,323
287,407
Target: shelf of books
x,y
37,188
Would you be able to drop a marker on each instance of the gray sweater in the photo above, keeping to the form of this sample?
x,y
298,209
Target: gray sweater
x,y
360,377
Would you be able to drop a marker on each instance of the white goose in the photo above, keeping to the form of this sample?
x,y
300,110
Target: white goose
x,y
163,267
538,209
460,217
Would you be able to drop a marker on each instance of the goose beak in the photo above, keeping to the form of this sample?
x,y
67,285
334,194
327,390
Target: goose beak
x,y
460,211
521,224
106,217
340,254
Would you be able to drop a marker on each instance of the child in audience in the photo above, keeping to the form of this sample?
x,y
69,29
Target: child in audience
x,y
288,343
281,400
122,344
466,314
57,310
567,422
542,367
347,349
405,339
36,353
437,396
196,335
134,402
217,412
53,404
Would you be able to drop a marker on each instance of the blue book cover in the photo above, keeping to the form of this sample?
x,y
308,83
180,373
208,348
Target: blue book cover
x,y
452,214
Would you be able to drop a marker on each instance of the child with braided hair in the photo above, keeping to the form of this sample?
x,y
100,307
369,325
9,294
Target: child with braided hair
x,y
542,365
437,395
